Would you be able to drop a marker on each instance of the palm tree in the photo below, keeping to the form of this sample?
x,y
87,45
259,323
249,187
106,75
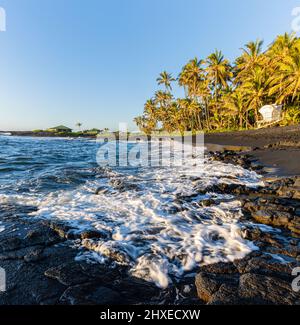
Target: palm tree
x,y
151,112
179,117
255,88
165,79
193,79
190,76
162,101
190,111
162,98
282,46
196,110
169,122
249,60
145,125
218,95
219,72
79,125
236,105
150,107
204,94
287,81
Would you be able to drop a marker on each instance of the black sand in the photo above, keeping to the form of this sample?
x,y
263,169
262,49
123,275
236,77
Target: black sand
x,y
278,148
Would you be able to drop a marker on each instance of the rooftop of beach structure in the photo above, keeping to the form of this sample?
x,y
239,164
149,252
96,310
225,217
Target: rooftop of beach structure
x,y
60,128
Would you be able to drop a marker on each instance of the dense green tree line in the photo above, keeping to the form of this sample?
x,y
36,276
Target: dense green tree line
x,y
221,95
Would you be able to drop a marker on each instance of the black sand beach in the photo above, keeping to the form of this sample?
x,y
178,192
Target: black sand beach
x,y
277,147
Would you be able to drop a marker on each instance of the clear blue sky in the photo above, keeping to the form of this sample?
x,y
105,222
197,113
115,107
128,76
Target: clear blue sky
x,y
96,61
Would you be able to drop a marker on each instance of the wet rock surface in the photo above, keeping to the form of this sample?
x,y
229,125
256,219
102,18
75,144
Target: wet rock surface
x,y
41,265
41,268
264,276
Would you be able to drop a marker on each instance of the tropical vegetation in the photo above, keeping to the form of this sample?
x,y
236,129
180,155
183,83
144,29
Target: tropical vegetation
x,y
220,95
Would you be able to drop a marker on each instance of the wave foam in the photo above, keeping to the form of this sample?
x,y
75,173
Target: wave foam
x,y
154,220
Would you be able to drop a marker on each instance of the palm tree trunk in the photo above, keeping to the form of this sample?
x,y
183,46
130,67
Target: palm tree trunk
x,y
241,120
207,114
199,121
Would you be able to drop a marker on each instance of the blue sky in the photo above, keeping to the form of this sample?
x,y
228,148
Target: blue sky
x,y
96,61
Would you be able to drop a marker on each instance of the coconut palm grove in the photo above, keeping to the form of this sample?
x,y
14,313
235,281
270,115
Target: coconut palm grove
x,y
224,95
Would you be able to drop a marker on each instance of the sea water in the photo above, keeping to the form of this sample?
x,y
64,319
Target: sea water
x,y
151,218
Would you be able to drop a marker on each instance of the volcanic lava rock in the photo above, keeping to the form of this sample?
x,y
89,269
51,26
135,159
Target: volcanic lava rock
x,y
253,280
68,274
265,275
90,234
264,288
207,285
122,185
88,294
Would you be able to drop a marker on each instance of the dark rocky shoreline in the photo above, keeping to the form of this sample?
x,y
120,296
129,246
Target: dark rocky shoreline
x,y
49,135
264,276
39,256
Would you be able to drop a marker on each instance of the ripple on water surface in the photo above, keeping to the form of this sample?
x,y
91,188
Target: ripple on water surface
x,y
152,219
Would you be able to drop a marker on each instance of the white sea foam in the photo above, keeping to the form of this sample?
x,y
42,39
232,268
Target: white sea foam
x,y
153,218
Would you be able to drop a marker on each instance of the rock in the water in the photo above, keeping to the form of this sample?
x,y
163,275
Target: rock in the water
x,y
62,229
264,217
101,190
112,251
90,234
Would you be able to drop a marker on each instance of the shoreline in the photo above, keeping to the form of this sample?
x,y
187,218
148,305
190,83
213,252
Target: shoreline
x,y
277,148
44,134
264,276
41,266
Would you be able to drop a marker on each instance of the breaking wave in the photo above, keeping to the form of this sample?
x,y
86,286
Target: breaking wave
x,y
156,221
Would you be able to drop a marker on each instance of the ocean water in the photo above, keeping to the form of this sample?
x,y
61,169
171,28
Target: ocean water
x,y
151,218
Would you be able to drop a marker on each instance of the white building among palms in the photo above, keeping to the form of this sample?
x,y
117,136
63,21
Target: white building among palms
x,y
271,113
